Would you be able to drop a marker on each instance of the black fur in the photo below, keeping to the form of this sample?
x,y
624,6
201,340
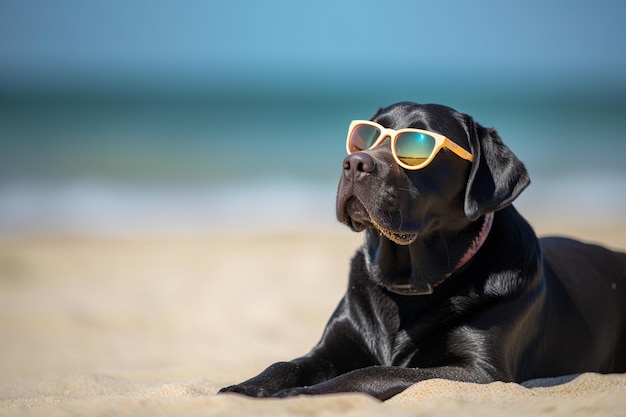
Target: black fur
x,y
521,308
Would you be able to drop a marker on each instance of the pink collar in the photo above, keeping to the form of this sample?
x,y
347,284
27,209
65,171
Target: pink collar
x,y
409,289
476,244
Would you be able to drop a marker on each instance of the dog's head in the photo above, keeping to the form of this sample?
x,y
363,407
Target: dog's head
x,y
445,196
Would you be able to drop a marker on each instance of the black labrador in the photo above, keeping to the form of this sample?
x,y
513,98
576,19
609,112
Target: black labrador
x,y
451,281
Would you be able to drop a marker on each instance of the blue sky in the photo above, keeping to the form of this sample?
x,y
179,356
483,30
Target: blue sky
x,y
47,41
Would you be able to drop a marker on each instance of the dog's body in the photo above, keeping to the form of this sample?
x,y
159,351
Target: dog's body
x,y
451,281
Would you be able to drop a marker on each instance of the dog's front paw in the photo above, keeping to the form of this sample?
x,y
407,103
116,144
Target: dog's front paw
x,y
249,390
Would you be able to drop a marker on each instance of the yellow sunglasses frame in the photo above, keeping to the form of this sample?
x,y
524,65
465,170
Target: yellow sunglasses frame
x,y
440,142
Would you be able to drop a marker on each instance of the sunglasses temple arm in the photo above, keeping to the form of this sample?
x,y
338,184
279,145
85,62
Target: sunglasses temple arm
x,y
457,149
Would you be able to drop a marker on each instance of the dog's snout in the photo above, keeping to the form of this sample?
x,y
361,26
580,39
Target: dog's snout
x,y
359,162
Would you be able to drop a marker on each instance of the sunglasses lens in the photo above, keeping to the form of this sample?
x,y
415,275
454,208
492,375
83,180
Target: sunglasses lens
x,y
413,148
362,137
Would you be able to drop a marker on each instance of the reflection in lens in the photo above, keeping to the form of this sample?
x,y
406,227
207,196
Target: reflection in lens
x,y
363,137
414,148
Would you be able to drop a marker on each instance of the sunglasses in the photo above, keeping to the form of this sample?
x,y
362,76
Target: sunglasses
x,y
411,148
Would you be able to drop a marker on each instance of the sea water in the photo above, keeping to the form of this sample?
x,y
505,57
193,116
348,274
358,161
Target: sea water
x,y
220,161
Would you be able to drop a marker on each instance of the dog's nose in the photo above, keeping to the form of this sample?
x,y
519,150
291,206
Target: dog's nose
x,y
359,162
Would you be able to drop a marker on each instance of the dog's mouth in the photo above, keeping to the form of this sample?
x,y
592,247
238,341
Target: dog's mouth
x,y
399,238
358,218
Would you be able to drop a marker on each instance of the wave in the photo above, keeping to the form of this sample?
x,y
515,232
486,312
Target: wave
x,y
97,207
123,208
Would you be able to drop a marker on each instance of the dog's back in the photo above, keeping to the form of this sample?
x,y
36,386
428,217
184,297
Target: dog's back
x,y
586,295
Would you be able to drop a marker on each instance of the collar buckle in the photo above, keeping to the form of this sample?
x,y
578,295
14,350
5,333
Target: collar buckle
x,y
409,289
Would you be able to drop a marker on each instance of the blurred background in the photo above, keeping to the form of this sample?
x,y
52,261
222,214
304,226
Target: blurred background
x,y
194,117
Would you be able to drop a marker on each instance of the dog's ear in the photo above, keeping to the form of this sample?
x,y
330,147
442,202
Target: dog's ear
x,y
497,176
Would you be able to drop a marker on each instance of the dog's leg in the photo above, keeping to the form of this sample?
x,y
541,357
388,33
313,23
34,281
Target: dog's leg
x,y
383,382
280,376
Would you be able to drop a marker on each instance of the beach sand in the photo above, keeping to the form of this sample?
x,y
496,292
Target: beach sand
x,y
155,326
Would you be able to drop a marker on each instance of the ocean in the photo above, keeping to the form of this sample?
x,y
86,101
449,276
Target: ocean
x,y
243,160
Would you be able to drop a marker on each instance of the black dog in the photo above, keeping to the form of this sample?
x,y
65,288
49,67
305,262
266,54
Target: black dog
x,y
451,281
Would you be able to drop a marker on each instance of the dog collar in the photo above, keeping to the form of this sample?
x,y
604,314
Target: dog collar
x,y
476,244
410,289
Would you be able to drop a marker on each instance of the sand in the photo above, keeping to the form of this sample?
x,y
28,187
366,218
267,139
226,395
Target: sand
x,y
155,326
